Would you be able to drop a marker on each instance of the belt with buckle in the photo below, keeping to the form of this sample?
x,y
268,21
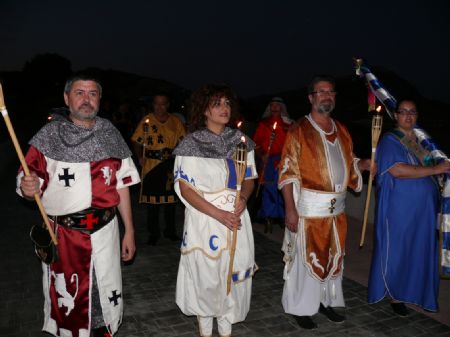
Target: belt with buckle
x,y
89,220
162,154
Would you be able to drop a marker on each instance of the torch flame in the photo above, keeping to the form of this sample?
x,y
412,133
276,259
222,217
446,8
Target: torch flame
x,y
378,109
239,124
275,125
147,120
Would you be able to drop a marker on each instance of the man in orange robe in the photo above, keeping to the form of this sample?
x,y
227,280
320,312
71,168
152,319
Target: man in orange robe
x,y
317,165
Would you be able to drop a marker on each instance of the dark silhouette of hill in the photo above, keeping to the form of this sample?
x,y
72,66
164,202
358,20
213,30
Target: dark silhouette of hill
x,y
32,93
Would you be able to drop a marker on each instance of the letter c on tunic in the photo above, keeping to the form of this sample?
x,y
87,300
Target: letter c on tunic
x,y
183,242
211,242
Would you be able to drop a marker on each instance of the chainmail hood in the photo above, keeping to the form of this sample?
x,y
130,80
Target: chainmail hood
x,y
62,140
206,144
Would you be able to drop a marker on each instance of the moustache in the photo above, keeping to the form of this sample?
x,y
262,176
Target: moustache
x,y
86,105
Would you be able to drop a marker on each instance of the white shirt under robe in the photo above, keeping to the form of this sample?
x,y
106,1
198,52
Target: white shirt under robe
x,y
303,291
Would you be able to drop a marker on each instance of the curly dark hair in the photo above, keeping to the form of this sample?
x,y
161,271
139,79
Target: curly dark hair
x,y
203,98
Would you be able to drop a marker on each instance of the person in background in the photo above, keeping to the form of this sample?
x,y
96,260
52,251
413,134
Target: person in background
x,y
205,180
158,133
274,125
82,168
405,255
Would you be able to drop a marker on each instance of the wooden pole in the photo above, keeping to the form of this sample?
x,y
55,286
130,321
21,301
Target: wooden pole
x,y
240,164
144,159
377,122
24,163
263,171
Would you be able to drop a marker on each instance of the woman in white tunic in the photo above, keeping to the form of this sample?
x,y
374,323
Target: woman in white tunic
x,y
205,180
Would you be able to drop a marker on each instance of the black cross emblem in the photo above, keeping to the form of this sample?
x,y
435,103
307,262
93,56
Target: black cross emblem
x,y
332,208
154,128
160,139
115,297
66,177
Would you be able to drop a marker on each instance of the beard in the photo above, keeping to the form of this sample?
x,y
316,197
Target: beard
x,y
85,112
325,107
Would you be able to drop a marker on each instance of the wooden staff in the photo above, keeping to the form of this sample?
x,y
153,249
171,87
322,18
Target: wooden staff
x,y
144,144
240,165
24,163
377,122
263,171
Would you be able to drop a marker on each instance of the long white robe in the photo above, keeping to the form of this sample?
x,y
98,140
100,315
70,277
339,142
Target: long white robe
x,y
203,268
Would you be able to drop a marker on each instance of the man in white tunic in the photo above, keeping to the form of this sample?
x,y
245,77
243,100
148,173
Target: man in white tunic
x,y
82,167
317,166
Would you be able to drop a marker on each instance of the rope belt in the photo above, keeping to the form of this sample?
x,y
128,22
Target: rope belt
x,y
89,220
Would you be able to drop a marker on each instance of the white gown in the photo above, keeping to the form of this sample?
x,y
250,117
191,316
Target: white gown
x,y
202,273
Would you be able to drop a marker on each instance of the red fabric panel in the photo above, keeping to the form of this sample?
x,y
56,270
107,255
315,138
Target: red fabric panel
x,y
69,281
36,163
263,132
102,173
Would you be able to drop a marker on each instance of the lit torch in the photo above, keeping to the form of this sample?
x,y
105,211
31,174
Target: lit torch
x,y
261,176
239,124
240,165
144,144
377,122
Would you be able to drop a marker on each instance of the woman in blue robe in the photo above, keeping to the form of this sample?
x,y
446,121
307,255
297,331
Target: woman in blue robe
x,y
405,256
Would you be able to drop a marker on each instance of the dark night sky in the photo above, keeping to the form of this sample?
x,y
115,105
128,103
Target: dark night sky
x,y
255,46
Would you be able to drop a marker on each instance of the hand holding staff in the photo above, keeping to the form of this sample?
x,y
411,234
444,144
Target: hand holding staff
x,y
23,163
240,164
377,122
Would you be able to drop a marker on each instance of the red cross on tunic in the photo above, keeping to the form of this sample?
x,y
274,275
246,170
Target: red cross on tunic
x,y
90,221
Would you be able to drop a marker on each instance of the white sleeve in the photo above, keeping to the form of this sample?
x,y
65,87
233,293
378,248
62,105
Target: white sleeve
x,y
127,175
251,171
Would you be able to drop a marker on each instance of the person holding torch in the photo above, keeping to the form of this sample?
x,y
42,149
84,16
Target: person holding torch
x,y
207,181
157,134
82,168
269,138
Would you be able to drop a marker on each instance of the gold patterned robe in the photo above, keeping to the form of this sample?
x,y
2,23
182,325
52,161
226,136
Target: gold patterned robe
x,y
158,141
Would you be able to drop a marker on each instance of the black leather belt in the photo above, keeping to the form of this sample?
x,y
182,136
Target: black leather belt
x,y
162,154
89,220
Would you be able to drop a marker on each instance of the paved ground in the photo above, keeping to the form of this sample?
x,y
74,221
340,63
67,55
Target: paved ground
x,y
149,285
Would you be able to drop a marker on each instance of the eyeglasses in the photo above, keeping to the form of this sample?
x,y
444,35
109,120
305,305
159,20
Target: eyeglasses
x,y
406,112
324,93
